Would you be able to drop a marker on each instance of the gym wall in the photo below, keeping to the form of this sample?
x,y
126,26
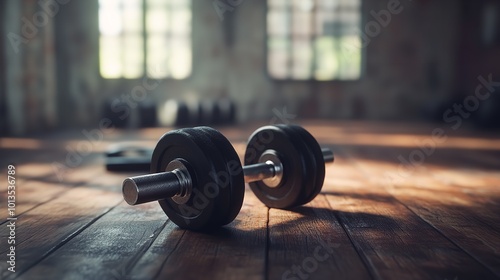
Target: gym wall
x,y
415,63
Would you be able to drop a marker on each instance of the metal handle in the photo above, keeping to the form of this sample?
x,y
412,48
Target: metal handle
x,y
152,187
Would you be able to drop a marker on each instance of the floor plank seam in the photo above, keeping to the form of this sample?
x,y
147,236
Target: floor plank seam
x,y
364,173
454,243
39,204
168,256
72,187
129,266
266,256
366,262
65,241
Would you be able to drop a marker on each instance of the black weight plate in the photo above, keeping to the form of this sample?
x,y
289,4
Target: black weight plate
x,y
182,117
148,114
224,196
200,211
227,110
205,109
233,171
117,111
216,114
319,162
310,164
288,193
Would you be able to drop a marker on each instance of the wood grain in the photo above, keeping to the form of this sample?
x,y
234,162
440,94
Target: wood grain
x,y
42,230
460,213
310,242
375,218
235,251
395,241
107,248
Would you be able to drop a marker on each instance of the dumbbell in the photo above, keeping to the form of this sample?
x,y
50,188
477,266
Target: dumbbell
x,y
148,115
199,181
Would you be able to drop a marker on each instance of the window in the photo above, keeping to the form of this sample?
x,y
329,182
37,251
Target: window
x,y
314,39
145,37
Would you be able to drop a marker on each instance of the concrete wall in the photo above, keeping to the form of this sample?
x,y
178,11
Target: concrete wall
x,y
29,60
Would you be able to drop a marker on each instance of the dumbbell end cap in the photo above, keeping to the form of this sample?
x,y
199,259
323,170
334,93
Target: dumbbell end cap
x,y
130,191
327,155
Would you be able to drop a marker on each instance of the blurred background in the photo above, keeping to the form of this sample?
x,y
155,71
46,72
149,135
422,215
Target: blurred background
x,y
70,63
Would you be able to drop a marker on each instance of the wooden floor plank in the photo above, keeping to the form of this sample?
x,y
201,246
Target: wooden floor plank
x,y
108,248
468,216
396,242
440,221
309,243
29,195
473,228
235,251
43,229
456,198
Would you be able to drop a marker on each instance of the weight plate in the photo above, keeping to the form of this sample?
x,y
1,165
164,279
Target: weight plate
x,y
227,110
207,202
288,193
148,115
233,173
310,163
223,194
205,109
319,162
182,117
114,110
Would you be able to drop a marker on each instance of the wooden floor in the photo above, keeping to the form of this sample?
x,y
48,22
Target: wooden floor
x,y
435,217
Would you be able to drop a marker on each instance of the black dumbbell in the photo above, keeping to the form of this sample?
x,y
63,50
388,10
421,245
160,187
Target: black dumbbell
x,y
148,115
227,111
116,111
199,181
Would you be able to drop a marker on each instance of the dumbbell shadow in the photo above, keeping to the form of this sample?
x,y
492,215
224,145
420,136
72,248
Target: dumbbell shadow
x,y
248,243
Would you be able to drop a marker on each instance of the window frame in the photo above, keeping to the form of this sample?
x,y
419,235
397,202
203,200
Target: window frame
x,y
312,79
144,36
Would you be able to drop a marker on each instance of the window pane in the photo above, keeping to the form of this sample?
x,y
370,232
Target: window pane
x,y
157,19
110,21
302,59
181,21
303,5
325,39
132,16
302,22
279,4
278,22
349,4
180,61
350,57
180,4
160,4
158,56
133,56
110,57
278,57
169,44
326,63
166,35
